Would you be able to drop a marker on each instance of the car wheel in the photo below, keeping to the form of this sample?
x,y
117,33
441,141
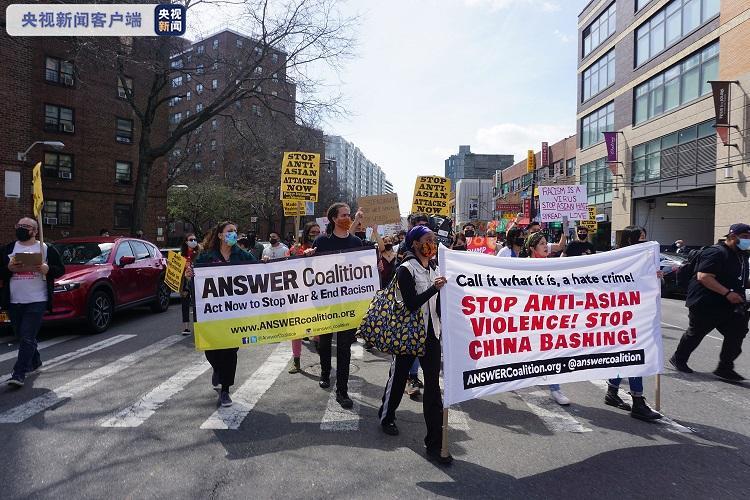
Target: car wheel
x,y
100,311
163,296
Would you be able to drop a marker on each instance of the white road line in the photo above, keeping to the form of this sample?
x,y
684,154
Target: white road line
x,y
710,388
137,413
52,363
457,418
554,417
685,328
358,351
667,422
248,395
74,387
41,345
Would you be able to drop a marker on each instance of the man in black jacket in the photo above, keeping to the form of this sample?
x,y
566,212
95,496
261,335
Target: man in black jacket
x,y
27,293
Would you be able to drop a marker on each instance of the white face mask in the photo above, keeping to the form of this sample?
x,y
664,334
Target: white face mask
x,y
192,244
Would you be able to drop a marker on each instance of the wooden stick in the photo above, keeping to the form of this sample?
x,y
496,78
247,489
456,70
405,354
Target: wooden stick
x,y
41,242
657,396
444,450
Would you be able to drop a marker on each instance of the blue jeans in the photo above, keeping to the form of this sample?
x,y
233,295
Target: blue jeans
x,y
636,384
26,319
414,370
554,387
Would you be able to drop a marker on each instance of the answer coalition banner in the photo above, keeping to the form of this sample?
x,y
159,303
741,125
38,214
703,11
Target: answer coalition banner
x,y
260,303
512,323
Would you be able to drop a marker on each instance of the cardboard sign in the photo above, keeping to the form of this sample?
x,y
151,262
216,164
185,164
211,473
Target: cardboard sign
x,y
559,202
381,209
298,208
28,259
175,270
431,196
300,176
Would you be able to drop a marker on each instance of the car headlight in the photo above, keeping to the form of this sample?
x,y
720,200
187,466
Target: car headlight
x,y
67,287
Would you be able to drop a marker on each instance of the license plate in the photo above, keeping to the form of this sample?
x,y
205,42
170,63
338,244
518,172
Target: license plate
x,y
4,317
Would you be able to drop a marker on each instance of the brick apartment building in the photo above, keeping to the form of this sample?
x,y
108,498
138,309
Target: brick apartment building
x,y
52,94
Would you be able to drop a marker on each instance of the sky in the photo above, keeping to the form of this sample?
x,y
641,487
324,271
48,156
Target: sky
x,y
430,75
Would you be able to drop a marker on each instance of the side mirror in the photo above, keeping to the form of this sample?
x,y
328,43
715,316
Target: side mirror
x,y
126,260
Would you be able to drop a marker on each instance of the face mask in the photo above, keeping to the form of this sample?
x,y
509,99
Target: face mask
x,y
582,236
744,244
429,249
23,234
388,246
344,224
273,240
519,241
192,244
469,233
230,238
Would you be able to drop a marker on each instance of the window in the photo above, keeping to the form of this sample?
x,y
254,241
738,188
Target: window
x,y
274,93
598,180
199,107
140,249
599,30
214,84
123,171
258,70
59,71
275,78
187,113
59,166
58,213
255,109
197,166
124,131
257,51
570,167
239,43
213,164
216,65
683,82
123,217
176,82
199,69
199,88
200,49
275,58
214,124
58,119
176,64
592,125
213,144
123,83
671,24
175,118
639,4
188,77
687,152
599,75
188,96
216,43
124,249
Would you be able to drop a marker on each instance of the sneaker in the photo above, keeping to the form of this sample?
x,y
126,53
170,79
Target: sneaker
x,y
728,374
344,400
186,331
560,398
324,381
215,381
224,399
437,457
390,428
295,368
680,366
16,381
412,389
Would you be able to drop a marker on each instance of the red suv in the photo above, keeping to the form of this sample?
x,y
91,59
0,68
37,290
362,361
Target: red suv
x,y
104,275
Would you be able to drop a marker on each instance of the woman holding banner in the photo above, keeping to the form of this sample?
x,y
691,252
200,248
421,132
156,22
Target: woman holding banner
x,y
419,284
631,235
536,248
188,250
220,247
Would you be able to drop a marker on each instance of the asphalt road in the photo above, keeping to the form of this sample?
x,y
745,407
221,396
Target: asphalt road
x,y
130,413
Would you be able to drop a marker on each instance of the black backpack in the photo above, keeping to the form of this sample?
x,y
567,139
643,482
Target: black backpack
x,y
686,272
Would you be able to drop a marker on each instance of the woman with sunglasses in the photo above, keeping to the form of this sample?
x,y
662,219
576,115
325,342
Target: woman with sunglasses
x,y
189,250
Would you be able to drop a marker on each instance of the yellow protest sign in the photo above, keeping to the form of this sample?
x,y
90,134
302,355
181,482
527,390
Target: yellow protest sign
x,y
36,177
297,208
175,269
590,224
300,175
431,196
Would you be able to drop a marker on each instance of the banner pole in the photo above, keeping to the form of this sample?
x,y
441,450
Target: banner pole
x,y
41,241
444,449
657,396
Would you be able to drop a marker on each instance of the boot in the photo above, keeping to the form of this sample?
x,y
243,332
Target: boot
x,y
613,399
295,368
642,411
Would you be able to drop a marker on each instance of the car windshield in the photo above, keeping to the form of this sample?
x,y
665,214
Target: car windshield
x,y
84,253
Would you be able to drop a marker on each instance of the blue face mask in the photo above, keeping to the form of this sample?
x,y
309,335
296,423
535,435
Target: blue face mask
x,y
230,238
744,244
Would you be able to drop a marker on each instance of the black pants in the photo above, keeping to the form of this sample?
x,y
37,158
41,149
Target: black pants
x,y
224,362
432,403
344,341
732,325
186,302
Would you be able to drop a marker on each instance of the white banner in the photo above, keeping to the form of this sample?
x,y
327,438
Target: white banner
x,y
509,323
558,202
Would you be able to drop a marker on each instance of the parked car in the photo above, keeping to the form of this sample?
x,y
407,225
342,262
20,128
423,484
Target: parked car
x,y
104,275
670,263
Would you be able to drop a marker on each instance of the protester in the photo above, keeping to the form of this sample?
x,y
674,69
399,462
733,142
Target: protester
x,y
716,300
554,248
576,248
277,249
386,261
335,239
27,293
139,234
536,247
220,246
680,248
583,236
309,234
414,220
104,233
631,235
514,242
469,230
189,250
459,242
419,285
255,246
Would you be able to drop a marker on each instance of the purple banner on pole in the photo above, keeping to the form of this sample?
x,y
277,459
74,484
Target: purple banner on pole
x,y
721,102
610,139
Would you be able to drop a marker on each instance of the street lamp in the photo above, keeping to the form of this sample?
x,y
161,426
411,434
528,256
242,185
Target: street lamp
x,y
53,144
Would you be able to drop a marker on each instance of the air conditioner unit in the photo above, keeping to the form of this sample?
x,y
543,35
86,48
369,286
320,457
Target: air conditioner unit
x,y
68,80
68,127
65,175
50,221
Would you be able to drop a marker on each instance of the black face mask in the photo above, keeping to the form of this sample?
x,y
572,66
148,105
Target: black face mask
x,y
469,233
273,241
23,234
582,236
388,246
519,241
361,236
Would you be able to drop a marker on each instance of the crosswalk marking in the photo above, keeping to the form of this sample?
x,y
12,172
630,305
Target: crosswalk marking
x,y
137,413
670,424
30,408
555,418
713,391
41,345
248,395
84,351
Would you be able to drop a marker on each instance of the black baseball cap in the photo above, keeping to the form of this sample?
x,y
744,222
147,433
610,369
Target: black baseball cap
x,y
739,228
